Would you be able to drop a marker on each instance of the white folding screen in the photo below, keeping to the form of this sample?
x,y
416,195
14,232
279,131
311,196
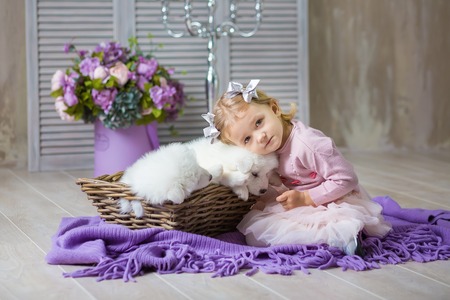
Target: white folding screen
x,y
277,55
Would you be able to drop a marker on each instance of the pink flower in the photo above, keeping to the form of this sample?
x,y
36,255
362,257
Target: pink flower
x,y
58,80
163,82
120,71
61,108
100,73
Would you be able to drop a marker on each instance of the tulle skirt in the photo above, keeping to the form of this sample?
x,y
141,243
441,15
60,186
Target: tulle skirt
x,y
336,224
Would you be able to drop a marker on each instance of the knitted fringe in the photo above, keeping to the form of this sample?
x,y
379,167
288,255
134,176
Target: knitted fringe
x,y
417,243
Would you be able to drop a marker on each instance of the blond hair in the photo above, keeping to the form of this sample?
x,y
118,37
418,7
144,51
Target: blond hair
x,y
226,111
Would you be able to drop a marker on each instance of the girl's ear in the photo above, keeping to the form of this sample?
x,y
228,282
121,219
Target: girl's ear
x,y
275,107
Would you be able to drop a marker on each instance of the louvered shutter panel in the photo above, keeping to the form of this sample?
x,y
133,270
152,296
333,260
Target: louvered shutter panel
x,y
57,144
277,55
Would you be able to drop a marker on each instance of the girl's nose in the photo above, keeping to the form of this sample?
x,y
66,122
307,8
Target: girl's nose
x,y
262,137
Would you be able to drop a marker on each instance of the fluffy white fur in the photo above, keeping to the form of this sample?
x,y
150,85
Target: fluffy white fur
x,y
241,170
169,173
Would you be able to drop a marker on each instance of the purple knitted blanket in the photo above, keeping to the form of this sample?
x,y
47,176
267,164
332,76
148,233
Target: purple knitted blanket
x,y
117,252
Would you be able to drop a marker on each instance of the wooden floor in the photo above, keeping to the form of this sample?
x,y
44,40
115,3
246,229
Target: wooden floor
x,y
32,205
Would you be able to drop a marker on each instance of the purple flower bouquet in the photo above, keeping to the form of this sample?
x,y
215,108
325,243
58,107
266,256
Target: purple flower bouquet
x,y
119,86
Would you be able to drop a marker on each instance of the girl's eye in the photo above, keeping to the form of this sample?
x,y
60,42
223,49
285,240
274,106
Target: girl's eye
x,y
258,122
246,140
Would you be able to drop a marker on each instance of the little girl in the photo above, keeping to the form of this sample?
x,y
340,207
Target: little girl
x,y
322,202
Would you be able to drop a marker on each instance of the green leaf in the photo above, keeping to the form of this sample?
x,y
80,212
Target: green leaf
x,y
59,92
97,84
100,55
157,112
148,86
146,101
112,82
145,120
132,41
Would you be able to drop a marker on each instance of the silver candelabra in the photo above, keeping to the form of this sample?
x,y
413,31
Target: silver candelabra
x,y
212,32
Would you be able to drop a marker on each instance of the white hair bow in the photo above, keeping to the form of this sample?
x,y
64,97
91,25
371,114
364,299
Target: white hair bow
x,y
235,88
210,131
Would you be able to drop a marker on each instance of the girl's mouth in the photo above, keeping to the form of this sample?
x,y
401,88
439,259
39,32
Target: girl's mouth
x,y
268,142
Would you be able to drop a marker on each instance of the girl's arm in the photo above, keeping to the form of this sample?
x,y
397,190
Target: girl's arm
x,y
335,172
338,174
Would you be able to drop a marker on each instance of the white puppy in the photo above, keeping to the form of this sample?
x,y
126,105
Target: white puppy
x,y
169,173
243,171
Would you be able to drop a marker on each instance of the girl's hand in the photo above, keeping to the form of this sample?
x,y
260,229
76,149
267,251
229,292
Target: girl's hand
x,y
293,198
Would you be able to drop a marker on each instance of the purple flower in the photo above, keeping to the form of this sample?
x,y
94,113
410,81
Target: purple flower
x,y
67,47
104,98
82,53
132,76
147,67
141,81
88,66
69,89
162,95
176,100
179,95
69,96
112,53
157,94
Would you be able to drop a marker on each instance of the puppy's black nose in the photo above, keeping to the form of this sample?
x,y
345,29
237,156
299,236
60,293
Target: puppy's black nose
x,y
262,191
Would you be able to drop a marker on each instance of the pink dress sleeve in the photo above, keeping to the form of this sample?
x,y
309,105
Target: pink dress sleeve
x,y
335,175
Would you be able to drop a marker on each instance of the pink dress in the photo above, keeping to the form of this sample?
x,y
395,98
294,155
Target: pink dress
x,y
310,161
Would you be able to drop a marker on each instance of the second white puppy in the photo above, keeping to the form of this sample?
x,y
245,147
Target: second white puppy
x,y
243,171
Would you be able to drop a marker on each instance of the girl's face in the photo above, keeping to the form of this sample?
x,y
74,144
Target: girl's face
x,y
259,129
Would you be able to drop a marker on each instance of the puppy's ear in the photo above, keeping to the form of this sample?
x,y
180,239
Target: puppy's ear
x,y
274,178
241,192
244,165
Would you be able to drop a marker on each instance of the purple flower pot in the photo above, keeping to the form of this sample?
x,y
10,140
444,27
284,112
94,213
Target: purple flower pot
x,y
116,150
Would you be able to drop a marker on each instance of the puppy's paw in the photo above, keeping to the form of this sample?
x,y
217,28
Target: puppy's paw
x,y
137,208
176,195
125,206
241,192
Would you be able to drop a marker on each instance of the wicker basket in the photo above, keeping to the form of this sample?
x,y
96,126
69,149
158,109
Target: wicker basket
x,y
209,211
